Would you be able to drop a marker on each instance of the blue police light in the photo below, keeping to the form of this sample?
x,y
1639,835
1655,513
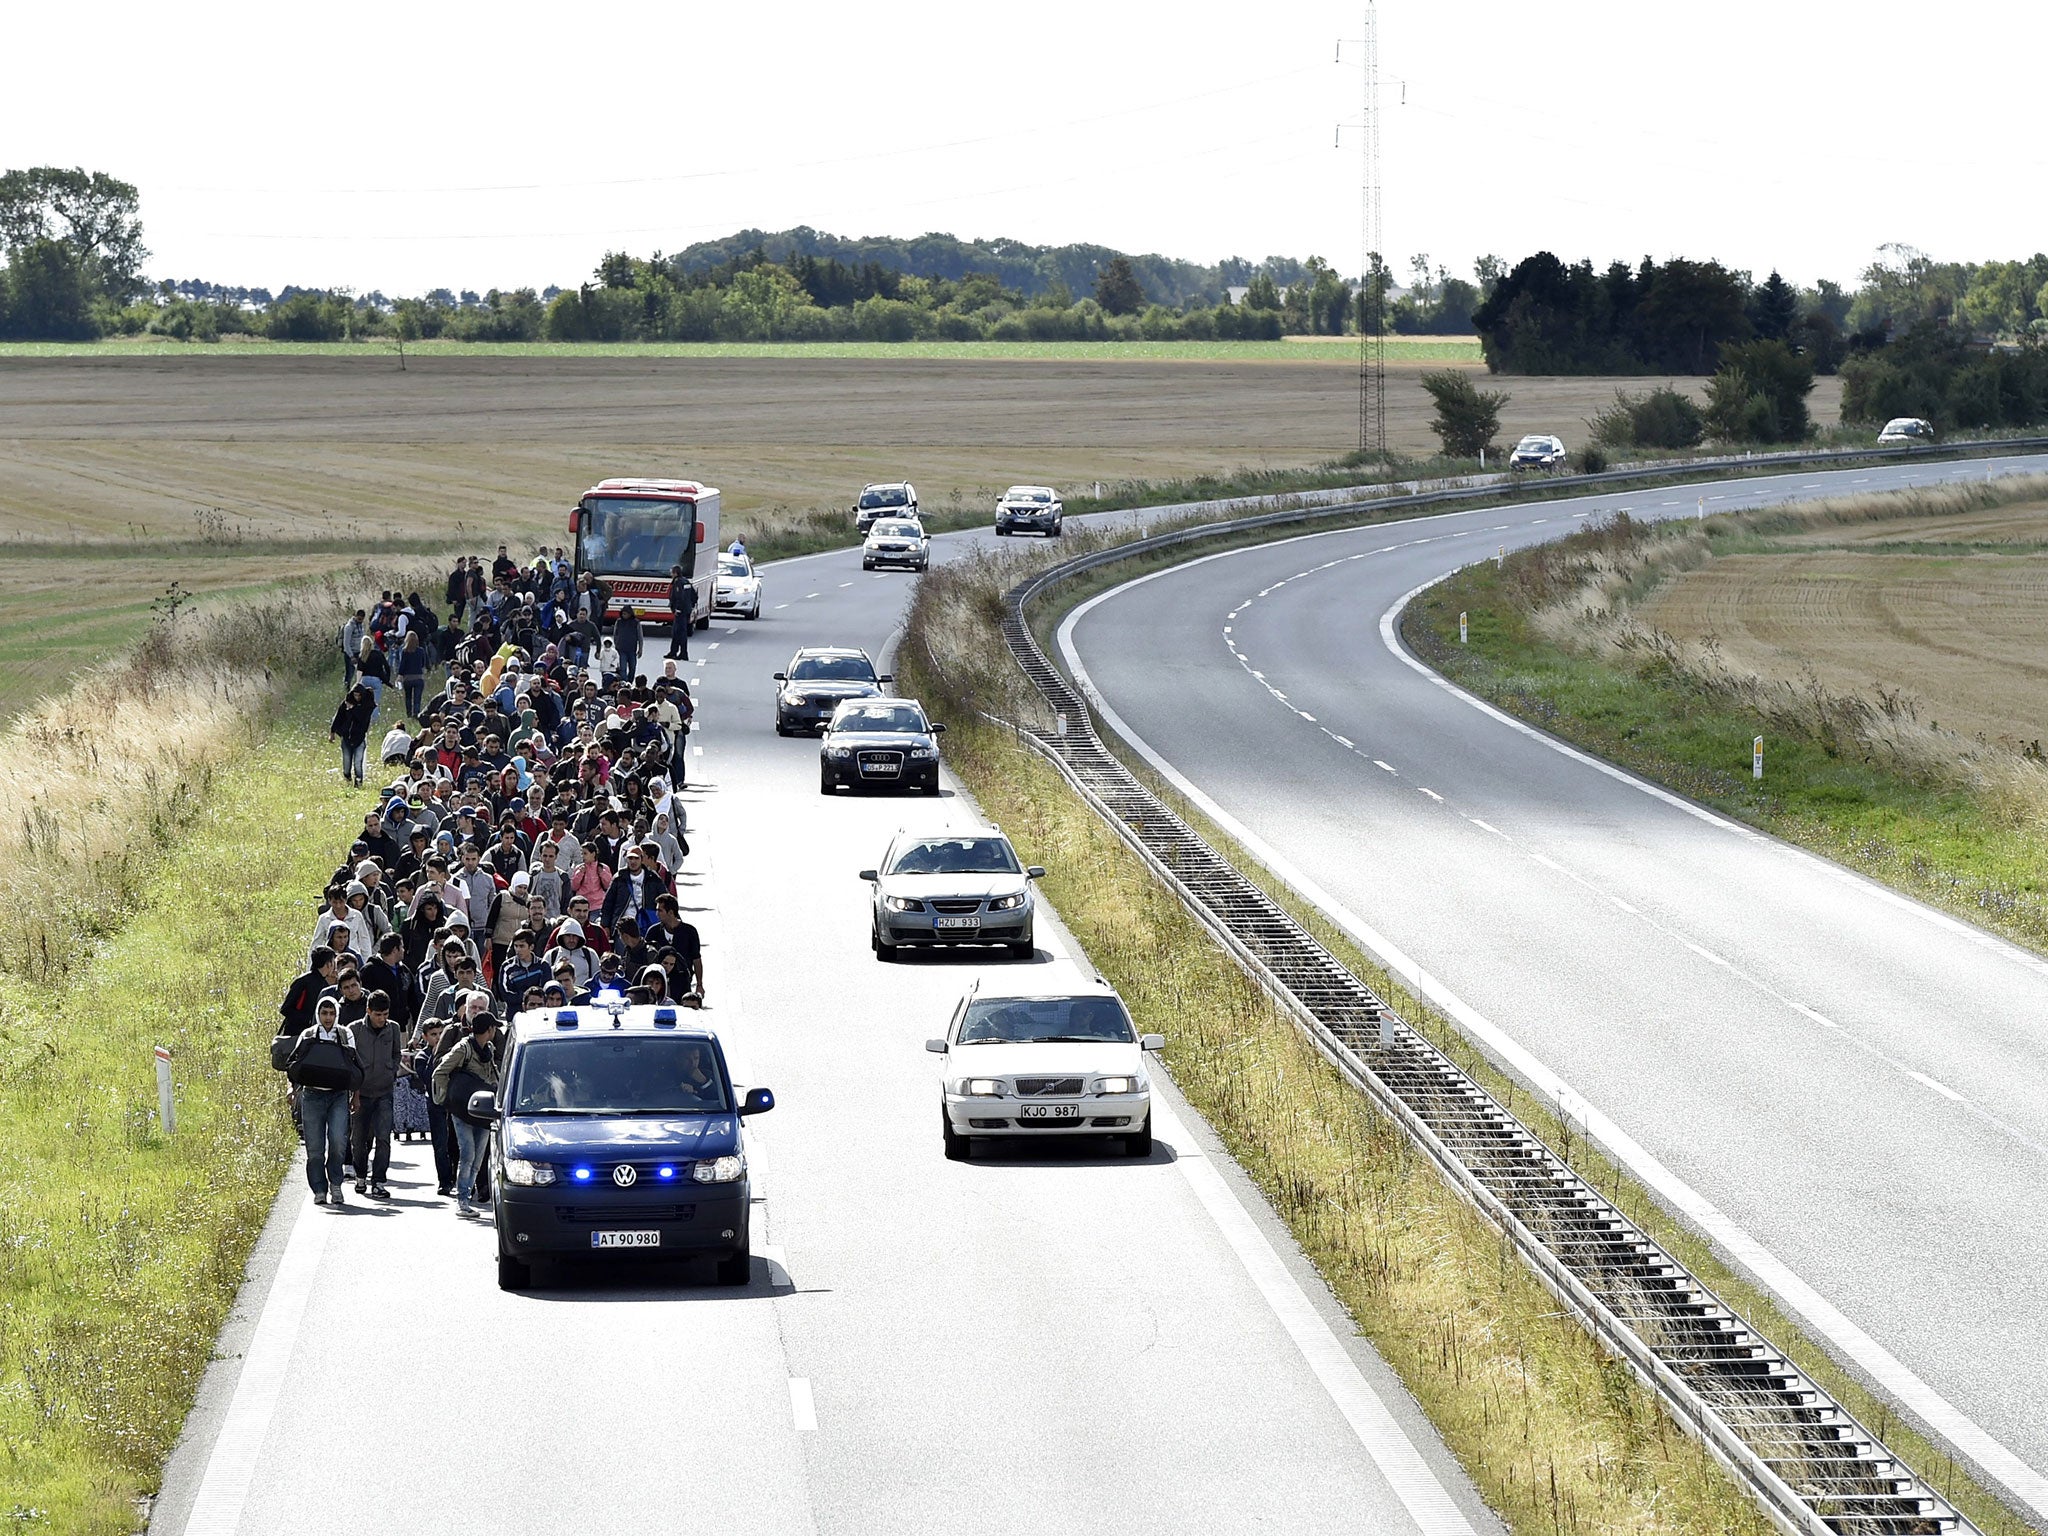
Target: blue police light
x,y
581,1175
665,1172
664,1018
565,1018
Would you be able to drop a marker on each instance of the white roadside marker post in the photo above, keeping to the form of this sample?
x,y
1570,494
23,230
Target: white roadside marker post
x,y
1702,517
1500,560
1756,758
1461,626
166,1112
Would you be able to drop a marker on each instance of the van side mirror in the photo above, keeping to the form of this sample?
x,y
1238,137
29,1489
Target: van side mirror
x,y
886,677
757,1102
869,874
782,677
1152,1042
1035,872
936,1047
938,728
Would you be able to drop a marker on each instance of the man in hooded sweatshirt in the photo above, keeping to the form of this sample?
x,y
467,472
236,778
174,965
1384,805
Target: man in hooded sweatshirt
x,y
323,1067
572,951
377,1053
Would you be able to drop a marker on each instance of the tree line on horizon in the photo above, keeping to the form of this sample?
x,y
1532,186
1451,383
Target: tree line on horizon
x,y
1963,344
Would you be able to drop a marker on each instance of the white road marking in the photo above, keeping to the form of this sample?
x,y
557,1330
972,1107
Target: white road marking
x,y
844,584
810,594
1577,515
1347,741
1892,1374
1941,1088
1705,954
1311,719
782,605
1380,763
231,1467
1226,629
1425,1498
1487,826
716,644
1439,799
801,1406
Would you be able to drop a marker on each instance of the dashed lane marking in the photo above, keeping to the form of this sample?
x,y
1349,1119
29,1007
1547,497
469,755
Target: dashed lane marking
x,y
1439,799
802,1407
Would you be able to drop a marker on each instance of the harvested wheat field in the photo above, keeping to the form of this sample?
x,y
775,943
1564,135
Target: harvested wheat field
x,y
1950,611
219,469
352,449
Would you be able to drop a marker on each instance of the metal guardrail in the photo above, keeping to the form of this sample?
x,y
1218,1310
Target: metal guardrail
x,y
1812,1466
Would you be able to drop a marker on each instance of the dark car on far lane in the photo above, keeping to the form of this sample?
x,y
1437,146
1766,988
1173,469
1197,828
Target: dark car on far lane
x,y
818,679
880,743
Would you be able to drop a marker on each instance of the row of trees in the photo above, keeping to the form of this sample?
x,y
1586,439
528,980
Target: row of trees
x,y
1546,317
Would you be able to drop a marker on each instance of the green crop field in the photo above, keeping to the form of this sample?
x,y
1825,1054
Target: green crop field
x,y
1400,349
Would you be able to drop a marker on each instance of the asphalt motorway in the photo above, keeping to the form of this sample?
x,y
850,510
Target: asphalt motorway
x,y
1849,1083
1049,1338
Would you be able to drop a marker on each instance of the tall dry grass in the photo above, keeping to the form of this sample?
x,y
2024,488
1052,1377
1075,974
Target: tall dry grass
x,y
97,782
1585,593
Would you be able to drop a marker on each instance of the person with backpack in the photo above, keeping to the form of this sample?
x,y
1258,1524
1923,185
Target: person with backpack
x,y
295,1013
323,1066
469,1066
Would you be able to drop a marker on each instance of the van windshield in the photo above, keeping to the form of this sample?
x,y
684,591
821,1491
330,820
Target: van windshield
x,y
610,1074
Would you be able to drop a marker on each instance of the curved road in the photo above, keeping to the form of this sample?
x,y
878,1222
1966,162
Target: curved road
x,y
1847,1089
1034,1342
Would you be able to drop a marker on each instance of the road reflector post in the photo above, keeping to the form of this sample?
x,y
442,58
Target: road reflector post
x,y
1500,560
166,1112
1703,510
1461,626
1756,758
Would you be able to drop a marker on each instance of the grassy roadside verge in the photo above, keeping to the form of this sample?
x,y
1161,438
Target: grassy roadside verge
x,y
121,1249
1277,1106
1955,823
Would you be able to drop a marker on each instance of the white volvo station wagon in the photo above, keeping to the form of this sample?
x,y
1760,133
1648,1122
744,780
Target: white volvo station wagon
x,y
1061,1059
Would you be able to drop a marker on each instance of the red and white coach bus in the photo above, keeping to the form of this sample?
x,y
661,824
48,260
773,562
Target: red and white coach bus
x,y
631,532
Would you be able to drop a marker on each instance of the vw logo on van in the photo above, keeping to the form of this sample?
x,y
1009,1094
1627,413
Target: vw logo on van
x,y
624,1176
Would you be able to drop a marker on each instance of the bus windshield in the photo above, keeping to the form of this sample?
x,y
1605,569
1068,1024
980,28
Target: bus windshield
x,y
623,536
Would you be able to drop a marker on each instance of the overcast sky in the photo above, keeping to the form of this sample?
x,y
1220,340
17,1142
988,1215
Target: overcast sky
x,y
408,146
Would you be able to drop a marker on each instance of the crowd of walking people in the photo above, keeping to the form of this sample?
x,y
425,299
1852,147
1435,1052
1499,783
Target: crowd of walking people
x,y
522,852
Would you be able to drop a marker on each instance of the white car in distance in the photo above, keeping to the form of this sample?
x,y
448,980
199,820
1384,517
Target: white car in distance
x,y
1907,432
896,541
736,589
1060,1058
1538,451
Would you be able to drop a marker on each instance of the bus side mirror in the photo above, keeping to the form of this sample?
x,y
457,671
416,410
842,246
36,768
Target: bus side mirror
x,y
699,539
575,519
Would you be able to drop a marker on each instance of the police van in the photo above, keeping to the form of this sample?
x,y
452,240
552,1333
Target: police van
x,y
615,1135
